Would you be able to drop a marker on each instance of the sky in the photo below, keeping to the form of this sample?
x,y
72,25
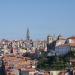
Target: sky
x,y
42,17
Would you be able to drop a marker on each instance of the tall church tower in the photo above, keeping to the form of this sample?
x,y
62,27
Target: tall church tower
x,y
49,39
28,34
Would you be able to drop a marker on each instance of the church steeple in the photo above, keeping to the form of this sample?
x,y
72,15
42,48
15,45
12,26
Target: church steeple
x,y
28,34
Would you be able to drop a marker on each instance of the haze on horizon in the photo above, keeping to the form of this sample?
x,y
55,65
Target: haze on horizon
x,y
43,17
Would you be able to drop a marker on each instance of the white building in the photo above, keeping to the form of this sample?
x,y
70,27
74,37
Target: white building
x,y
70,40
62,49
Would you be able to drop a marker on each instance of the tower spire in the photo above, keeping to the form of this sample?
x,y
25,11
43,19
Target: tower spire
x,y
28,34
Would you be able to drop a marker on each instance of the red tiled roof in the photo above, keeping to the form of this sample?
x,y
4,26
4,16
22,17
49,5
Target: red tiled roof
x,y
73,37
63,45
71,44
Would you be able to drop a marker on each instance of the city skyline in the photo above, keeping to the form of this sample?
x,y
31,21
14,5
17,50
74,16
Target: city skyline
x,y
43,17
